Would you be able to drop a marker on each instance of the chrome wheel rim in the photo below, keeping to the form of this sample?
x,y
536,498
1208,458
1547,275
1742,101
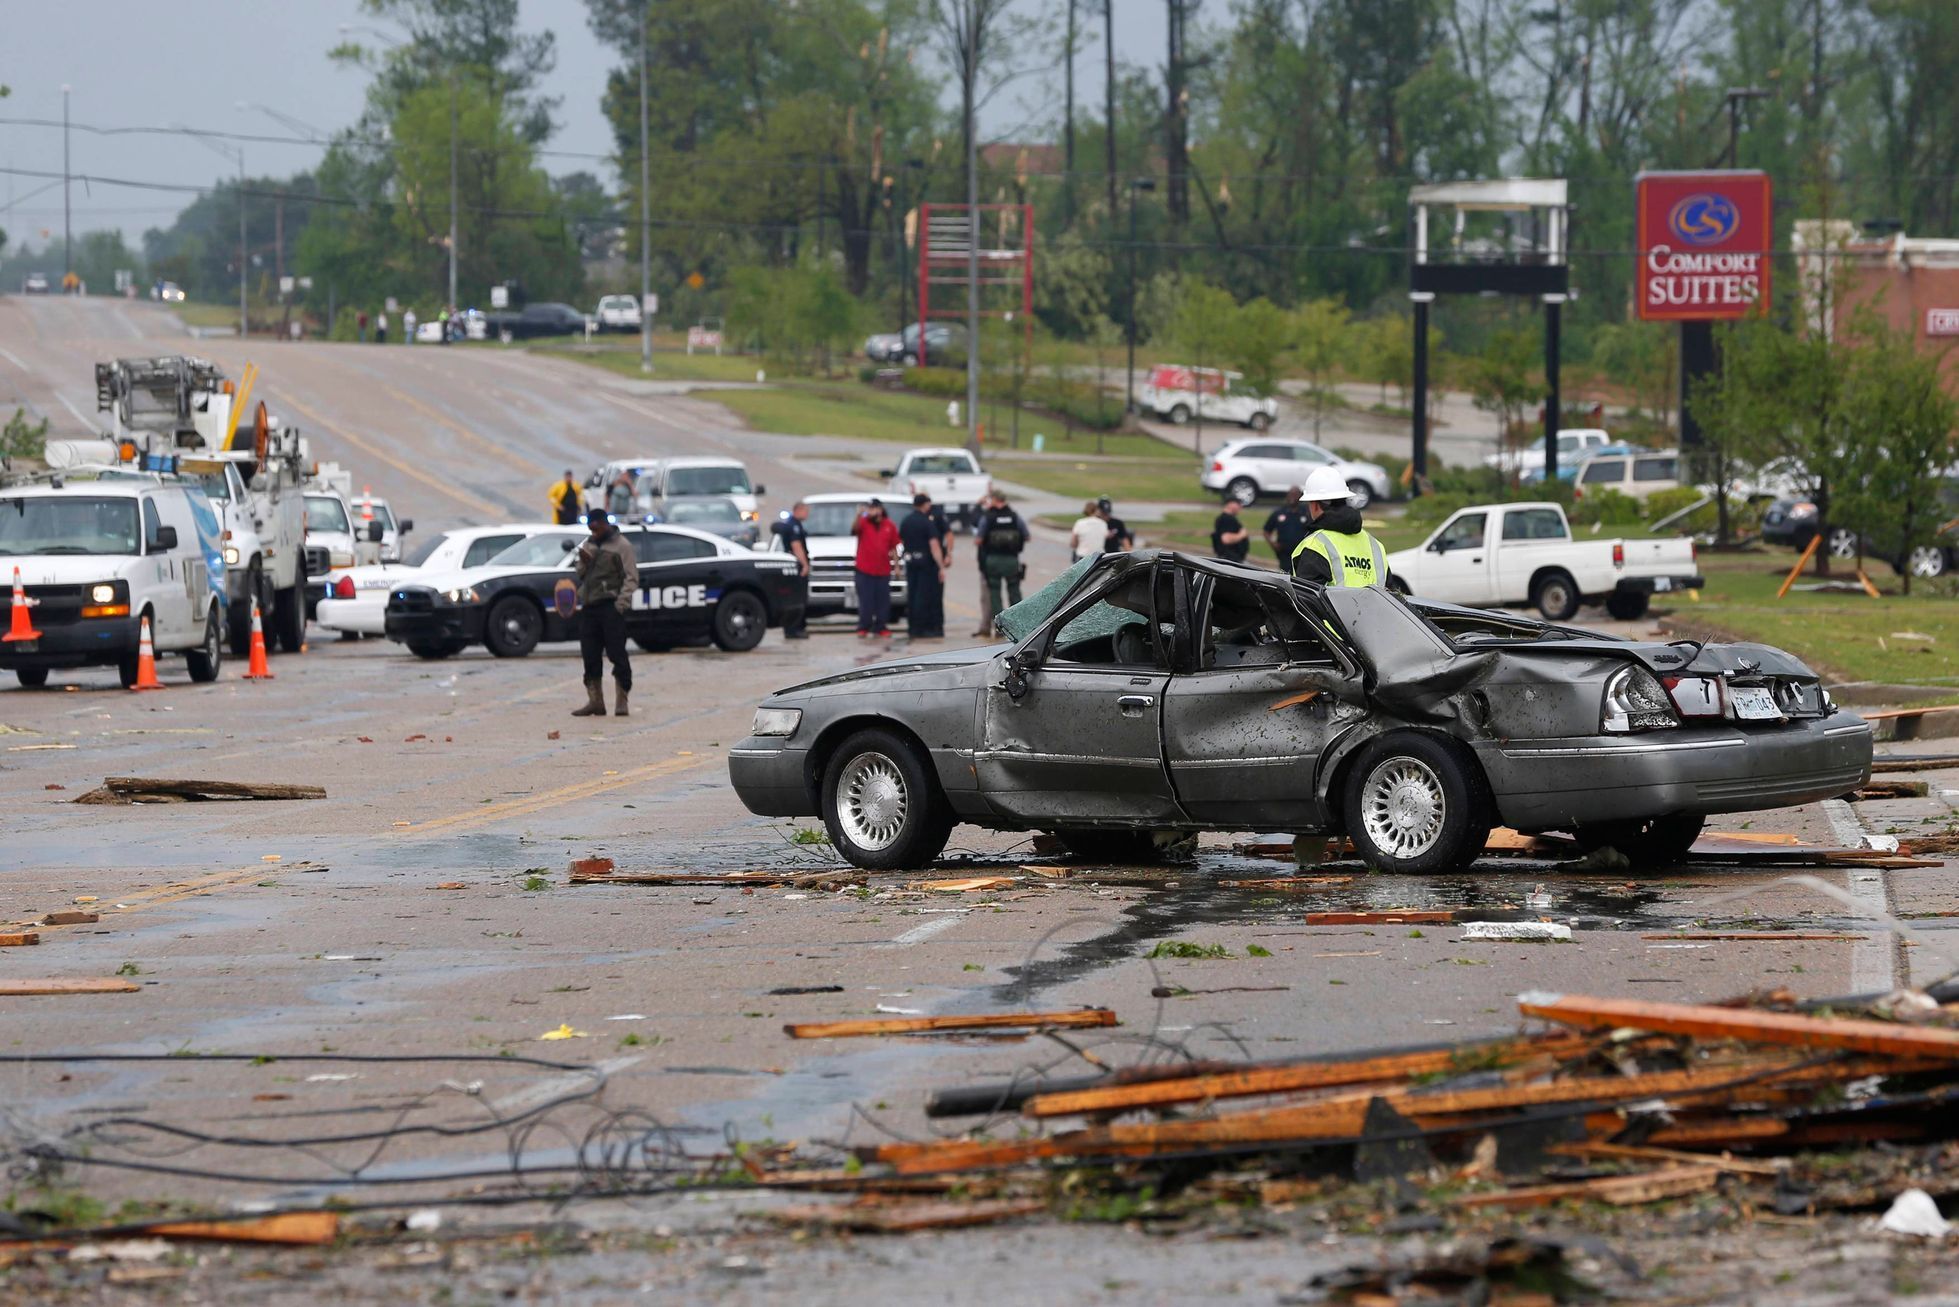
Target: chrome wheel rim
x,y
1927,561
1556,597
1402,807
741,620
872,801
1843,544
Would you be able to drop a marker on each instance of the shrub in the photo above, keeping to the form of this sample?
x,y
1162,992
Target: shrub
x,y
1607,508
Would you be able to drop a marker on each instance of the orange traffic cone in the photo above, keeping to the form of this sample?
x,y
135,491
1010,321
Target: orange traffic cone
x,y
258,670
21,627
146,662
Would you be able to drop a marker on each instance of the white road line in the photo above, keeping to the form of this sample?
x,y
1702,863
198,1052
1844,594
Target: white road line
x,y
15,360
80,416
543,1091
920,933
1873,961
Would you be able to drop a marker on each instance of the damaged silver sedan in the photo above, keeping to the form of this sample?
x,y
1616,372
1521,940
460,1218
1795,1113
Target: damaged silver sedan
x,y
1155,693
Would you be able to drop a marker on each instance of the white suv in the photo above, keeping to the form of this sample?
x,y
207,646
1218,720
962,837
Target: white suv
x,y
618,313
1246,469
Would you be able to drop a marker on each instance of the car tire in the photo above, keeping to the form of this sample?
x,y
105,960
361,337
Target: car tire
x,y
1242,489
128,664
1178,414
433,652
513,627
1926,563
1656,842
740,621
881,804
205,660
1416,803
1359,493
1628,605
31,678
1131,847
289,619
1555,595
238,620
1259,421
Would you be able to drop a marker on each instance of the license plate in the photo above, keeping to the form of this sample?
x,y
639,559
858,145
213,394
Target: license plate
x,y
1753,703
1663,583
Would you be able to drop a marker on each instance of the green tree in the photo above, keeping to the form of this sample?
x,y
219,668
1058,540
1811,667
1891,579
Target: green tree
x,y
1202,330
1260,333
1320,343
1639,356
1384,353
1907,420
1500,379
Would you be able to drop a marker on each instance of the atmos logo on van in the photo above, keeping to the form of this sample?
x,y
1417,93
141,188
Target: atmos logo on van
x,y
1704,219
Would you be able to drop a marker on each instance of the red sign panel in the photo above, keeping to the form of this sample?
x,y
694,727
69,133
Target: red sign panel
x,y
1704,241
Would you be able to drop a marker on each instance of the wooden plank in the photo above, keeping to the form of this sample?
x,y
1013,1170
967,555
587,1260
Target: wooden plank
x,y
1408,918
1723,1133
284,1227
1639,1153
1751,836
731,880
903,1217
1785,1028
1078,1019
19,938
202,789
1893,790
86,985
1301,1076
964,885
1892,714
70,919
1619,1190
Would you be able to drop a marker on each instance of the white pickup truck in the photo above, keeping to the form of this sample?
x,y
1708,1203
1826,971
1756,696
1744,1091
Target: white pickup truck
x,y
1512,554
953,477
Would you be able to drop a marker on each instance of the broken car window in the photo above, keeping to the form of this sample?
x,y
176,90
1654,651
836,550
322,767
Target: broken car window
x,y
1238,629
1114,631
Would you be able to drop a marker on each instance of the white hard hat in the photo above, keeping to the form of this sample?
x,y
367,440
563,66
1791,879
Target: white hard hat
x,y
1323,483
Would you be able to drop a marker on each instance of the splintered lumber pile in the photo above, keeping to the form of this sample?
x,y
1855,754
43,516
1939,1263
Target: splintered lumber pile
x,y
140,789
1622,1102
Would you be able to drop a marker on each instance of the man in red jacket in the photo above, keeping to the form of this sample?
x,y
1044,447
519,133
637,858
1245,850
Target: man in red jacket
x,y
877,541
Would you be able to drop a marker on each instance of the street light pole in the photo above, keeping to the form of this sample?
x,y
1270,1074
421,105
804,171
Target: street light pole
x,y
67,227
1136,184
243,321
645,202
452,192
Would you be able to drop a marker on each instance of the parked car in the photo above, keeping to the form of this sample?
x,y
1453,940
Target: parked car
x,y
953,477
833,554
1526,463
1246,469
884,347
356,598
34,283
618,313
1177,394
1152,694
1792,520
1512,554
537,320
714,514
1640,474
945,346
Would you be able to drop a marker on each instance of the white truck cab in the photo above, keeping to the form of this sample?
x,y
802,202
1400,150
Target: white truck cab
x,y
97,550
953,477
671,478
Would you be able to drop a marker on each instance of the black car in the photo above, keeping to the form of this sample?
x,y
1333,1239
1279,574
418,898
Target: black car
x,y
534,320
693,589
945,346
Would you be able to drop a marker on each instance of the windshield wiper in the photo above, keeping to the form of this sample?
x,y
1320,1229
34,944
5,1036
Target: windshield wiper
x,y
64,549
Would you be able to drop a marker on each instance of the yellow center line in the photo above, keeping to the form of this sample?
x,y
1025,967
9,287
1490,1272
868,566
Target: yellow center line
x,y
407,469
516,461
492,812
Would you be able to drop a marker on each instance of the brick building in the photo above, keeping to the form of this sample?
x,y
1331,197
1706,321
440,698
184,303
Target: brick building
x,y
1910,282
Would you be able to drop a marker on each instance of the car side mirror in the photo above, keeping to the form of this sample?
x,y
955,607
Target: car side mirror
x,y
404,526
1438,546
887,472
1019,678
592,481
567,546
166,540
374,532
759,489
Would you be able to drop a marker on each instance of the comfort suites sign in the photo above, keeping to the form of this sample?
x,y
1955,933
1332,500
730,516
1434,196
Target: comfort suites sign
x,y
1703,245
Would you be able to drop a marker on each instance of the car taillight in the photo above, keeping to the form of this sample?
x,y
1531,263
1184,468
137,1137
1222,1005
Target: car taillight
x,y
1217,466
1618,555
344,588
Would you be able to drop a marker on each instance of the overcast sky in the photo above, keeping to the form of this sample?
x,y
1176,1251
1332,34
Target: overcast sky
x,y
191,62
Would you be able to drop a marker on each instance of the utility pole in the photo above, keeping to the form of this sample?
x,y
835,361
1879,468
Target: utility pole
x,y
645,201
1109,99
452,189
67,227
1068,126
970,77
243,321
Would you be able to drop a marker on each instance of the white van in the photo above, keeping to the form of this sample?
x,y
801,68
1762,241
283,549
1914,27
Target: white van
x,y
98,550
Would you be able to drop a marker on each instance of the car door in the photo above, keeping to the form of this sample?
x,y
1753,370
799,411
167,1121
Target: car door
x,y
161,586
1455,565
1245,724
1080,742
679,584
192,591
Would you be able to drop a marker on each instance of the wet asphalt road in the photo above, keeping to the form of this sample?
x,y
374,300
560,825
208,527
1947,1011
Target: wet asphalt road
x,y
320,927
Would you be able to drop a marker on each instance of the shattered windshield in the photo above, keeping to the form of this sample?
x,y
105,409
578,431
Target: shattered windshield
x,y
1098,621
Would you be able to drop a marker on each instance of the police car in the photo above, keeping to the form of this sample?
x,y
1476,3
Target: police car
x,y
693,588
356,599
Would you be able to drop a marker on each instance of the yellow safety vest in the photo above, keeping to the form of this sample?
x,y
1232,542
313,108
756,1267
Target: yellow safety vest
x,y
1355,559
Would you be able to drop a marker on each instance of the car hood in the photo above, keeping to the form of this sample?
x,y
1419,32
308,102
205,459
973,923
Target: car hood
x,y
64,569
942,665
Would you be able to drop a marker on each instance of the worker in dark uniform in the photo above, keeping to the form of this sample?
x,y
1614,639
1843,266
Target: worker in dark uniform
x,y
795,542
608,573
1287,526
925,567
1002,536
1120,539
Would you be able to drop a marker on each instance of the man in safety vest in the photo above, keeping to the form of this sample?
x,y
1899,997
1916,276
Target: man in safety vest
x,y
1337,549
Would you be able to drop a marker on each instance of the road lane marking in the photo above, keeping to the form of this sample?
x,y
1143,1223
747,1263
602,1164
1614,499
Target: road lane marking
x,y
1874,961
15,360
80,416
655,415
517,461
920,933
367,447
491,812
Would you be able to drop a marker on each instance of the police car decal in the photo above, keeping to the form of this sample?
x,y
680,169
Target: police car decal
x,y
657,597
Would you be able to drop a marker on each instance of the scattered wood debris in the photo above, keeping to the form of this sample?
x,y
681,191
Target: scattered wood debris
x,y
70,918
1077,1019
18,938
598,871
138,789
872,1215
85,985
1755,937
1892,790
